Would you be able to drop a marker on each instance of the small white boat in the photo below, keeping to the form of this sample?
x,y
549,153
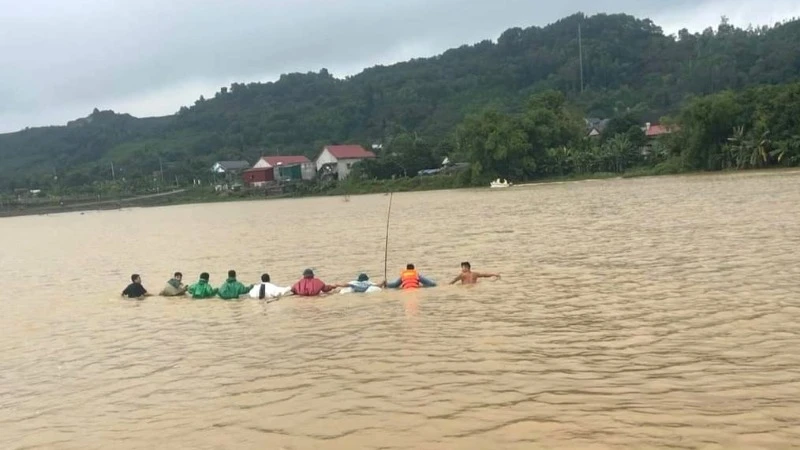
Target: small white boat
x,y
499,184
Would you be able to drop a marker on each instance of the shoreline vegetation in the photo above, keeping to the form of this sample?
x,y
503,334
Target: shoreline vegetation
x,y
519,108
208,195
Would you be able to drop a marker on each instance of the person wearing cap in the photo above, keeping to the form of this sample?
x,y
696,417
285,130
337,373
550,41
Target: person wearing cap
x,y
361,285
310,286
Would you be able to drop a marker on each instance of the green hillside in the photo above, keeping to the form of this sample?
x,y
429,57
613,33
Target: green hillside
x,y
632,72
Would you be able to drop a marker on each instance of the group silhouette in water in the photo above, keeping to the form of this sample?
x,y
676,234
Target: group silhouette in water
x,y
308,286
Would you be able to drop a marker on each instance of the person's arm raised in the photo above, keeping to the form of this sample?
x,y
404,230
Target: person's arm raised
x,y
488,275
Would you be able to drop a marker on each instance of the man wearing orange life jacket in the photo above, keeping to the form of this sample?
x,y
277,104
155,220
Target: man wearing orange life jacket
x,y
410,279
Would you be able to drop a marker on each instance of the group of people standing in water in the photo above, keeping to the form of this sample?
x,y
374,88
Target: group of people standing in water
x,y
308,286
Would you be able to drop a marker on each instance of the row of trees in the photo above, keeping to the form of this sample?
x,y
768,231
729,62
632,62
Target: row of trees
x,y
754,128
425,108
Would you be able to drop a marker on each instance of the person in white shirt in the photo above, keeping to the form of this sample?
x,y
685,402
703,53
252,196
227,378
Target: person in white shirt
x,y
265,289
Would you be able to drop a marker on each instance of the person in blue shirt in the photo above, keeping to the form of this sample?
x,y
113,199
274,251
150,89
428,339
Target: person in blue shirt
x,y
361,285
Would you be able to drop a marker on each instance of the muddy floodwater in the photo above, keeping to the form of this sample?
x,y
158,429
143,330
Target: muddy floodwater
x,y
641,313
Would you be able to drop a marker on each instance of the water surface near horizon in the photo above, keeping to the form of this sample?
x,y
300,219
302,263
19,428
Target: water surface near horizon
x,y
643,313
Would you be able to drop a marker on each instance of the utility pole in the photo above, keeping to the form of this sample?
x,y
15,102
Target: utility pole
x,y
580,54
113,174
161,167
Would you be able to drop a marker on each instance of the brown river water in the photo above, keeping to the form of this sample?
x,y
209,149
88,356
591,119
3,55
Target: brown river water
x,y
641,313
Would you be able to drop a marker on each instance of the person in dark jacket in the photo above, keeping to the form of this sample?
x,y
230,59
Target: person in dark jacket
x,y
135,289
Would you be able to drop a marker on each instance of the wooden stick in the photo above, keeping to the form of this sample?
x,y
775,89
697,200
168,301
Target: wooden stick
x,y
386,245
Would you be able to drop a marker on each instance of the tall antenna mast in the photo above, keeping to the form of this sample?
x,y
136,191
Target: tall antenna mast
x,y
580,53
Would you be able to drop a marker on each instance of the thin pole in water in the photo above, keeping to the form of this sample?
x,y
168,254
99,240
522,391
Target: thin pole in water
x,y
386,245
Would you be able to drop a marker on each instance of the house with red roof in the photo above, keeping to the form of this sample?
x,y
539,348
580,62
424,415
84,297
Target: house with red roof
x,y
286,168
339,159
655,130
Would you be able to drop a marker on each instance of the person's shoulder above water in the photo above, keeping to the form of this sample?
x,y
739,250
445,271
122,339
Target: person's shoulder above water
x,y
174,287
467,276
202,289
410,278
232,289
309,286
135,289
362,284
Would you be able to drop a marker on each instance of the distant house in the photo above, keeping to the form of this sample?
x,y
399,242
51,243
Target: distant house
x,y
230,167
595,127
652,131
258,176
339,159
288,167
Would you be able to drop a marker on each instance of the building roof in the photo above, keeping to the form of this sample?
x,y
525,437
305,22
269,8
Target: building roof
x,y
656,130
599,124
259,169
349,152
233,165
285,160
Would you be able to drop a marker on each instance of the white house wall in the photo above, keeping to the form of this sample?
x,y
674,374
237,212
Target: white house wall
x,y
325,158
344,166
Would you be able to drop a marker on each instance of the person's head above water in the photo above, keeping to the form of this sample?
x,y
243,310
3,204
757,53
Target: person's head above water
x,y
231,274
363,277
308,273
136,278
410,267
204,276
466,266
265,278
178,276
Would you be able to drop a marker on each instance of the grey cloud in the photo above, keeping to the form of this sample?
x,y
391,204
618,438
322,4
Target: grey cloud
x,y
60,56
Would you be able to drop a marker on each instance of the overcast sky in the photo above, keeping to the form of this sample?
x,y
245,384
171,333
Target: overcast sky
x,y
59,59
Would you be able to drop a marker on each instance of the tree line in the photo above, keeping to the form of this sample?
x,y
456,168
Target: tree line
x,y
512,108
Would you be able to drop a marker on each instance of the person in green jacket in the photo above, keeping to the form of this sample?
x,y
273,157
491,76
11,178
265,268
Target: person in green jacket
x,y
202,289
232,289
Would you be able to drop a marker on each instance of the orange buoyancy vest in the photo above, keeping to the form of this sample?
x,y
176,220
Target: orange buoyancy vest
x,y
409,279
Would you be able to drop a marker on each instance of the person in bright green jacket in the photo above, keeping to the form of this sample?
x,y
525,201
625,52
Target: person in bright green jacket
x,y
202,289
232,289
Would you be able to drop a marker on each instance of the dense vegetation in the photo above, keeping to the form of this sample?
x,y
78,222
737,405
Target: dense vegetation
x,y
513,108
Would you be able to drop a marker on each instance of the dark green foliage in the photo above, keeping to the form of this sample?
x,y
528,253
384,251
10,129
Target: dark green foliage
x,y
633,73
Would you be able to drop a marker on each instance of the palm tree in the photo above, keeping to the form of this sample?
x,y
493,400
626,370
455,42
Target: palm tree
x,y
760,151
559,159
787,151
618,148
737,149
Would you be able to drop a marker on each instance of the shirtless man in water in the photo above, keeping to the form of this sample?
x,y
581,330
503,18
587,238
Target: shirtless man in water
x,y
467,276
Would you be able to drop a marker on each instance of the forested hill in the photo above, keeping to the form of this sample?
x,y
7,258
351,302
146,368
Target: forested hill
x,y
630,66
